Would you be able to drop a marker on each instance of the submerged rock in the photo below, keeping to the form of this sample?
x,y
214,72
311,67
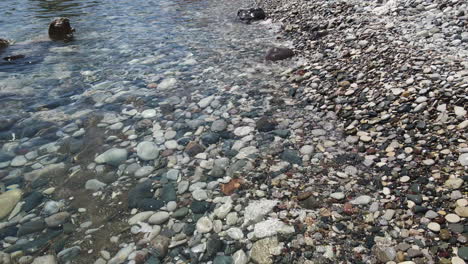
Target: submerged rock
x,y
8,201
251,14
276,54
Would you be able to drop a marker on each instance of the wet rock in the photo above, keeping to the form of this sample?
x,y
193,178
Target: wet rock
x,y
32,200
204,225
8,200
147,150
60,29
158,218
114,156
463,253
94,185
264,124
218,125
122,255
68,254
463,159
168,193
57,219
276,54
193,148
251,14
362,200
31,227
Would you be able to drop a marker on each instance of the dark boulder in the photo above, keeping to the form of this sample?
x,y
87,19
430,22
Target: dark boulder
x,y
60,29
276,54
4,44
251,14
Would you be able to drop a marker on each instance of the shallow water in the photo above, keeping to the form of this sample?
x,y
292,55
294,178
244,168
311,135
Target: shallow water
x,y
121,46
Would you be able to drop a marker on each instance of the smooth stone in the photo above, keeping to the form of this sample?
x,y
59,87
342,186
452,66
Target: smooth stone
x,y
463,253
121,255
140,217
32,200
204,225
243,131
19,161
68,254
52,207
219,125
180,213
31,227
167,84
114,156
463,159
452,218
337,195
462,211
454,183
222,211
168,193
306,150
291,156
203,103
47,259
94,185
277,53
8,201
147,150
158,218
144,171
148,113
362,200
433,226
199,195
57,219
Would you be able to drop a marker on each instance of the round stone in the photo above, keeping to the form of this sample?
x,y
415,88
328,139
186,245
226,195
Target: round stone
x,y
158,218
404,179
452,218
148,113
147,150
218,125
19,161
199,195
463,159
243,131
433,226
337,195
114,156
204,225
307,149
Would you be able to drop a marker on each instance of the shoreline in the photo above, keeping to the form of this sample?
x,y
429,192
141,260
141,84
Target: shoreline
x,y
356,154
